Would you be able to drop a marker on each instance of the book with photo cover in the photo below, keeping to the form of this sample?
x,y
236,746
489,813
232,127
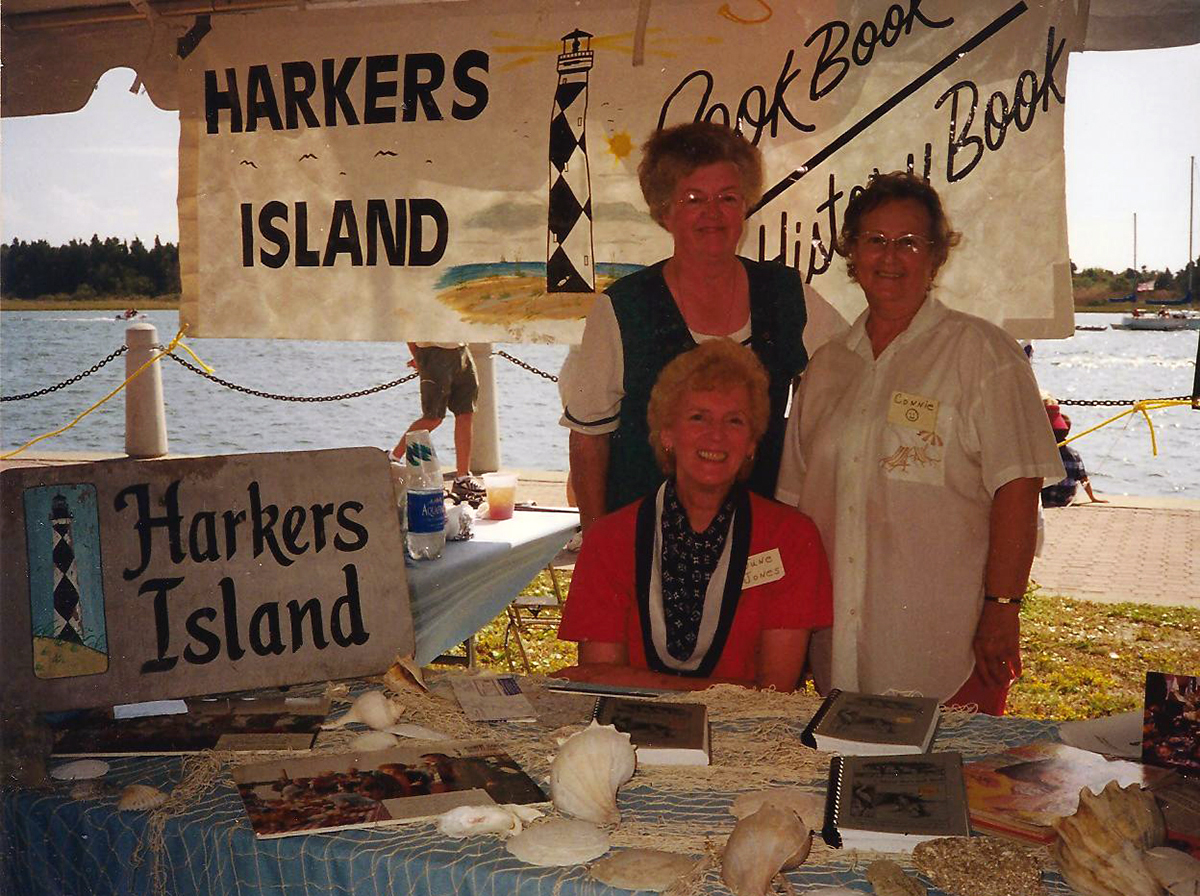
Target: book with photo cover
x,y
234,723
662,732
1019,793
857,724
1171,722
333,792
892,803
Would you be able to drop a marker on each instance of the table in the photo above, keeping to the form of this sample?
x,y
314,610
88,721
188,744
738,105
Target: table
x,y
473,581
51,843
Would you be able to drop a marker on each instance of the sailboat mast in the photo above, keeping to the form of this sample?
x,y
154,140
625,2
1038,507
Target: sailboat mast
x,y
1191,260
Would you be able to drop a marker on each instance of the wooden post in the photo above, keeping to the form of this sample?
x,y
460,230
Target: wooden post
x,y
485,447
145,418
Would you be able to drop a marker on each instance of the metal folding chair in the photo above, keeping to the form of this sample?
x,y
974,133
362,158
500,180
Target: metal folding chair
x,y
530,611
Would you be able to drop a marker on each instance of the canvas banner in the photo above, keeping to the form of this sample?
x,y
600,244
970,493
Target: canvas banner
x,y
467,171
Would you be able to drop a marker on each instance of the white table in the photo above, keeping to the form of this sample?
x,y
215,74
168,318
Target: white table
x,y
473,581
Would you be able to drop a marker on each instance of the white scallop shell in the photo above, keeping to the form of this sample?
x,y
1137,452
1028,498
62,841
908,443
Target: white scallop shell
x,y
763,844
643,869
809,806
559,841
137,797
506,820
79,770
588,770
373,740
374,709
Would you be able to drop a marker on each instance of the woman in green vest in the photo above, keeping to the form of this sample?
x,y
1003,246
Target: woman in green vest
x,y
698,180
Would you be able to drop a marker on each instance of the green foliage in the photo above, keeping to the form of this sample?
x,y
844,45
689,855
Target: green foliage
x,y
86,270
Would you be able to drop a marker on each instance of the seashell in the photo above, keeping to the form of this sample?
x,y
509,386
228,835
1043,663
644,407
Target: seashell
x,y
643,869
420,732
138,797
559,841
374,709
953,864
373,740
1175,870
888,879
79,770
404,676
588,770
809,806
771,840
506,820
1101,847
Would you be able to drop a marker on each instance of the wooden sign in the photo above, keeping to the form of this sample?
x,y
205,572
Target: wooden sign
x,y
131,580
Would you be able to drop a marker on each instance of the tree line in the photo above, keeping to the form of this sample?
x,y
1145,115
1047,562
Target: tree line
x,y
1100,283
84,270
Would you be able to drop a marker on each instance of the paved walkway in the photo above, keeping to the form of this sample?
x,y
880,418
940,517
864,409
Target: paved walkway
x,y
1145,550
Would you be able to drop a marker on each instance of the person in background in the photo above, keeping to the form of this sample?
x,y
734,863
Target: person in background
x,y
918,444
448,381
702,581
1060,494
698,180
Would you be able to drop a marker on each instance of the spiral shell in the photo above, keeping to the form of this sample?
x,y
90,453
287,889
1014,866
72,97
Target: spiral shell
x,y
770,840
1101,848
588,770
506,820
374,709
139,797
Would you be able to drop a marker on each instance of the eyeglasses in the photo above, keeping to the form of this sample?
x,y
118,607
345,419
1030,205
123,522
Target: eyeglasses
x,y
872,242
694,200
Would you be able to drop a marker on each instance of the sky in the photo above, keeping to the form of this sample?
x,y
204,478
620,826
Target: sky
x,y
1131,127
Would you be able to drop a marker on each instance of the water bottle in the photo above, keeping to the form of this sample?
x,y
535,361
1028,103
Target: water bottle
x,y
426,505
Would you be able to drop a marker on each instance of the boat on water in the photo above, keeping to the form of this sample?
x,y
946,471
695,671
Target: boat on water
x,y
1162,319
1091,328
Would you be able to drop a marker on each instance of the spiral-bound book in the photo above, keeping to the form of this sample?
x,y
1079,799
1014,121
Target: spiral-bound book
x,y
662,732
892,803
872,724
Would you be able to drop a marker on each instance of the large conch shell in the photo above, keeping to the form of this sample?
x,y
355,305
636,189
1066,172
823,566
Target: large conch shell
x,y
771,840
644,869
559,841
374,709
588,770
1175,870
506,820
1101,848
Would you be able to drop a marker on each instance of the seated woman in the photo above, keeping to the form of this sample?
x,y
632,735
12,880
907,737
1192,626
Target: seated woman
x,y
703,581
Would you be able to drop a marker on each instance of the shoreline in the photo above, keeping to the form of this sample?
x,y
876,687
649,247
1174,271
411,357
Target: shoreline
x,y
115,303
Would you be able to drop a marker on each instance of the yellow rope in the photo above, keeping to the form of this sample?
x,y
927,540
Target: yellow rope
x,y
174,343
1143,407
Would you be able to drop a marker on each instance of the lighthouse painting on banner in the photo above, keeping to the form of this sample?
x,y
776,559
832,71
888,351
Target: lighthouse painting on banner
x,y
66,590
570,262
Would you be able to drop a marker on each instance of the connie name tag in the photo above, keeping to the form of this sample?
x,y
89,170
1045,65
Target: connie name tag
x,y
913,411
763,568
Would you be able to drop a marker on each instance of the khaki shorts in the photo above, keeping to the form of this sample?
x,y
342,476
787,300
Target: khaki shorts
x,y
448,380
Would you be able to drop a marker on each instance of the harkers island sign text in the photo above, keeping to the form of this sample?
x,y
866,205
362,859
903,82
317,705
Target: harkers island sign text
x,y
143,580
468,170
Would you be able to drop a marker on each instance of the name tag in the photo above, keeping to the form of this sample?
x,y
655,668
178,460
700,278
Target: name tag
x,y
763,568
913,411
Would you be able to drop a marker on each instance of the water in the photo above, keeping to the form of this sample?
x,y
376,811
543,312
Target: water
x,y
41,348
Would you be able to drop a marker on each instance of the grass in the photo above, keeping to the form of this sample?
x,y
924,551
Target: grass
x,y
1082,659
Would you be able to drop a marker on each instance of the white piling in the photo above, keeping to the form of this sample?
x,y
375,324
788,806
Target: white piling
x,y
145,417
485,447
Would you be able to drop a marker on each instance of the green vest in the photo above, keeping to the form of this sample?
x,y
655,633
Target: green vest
x,y
653,332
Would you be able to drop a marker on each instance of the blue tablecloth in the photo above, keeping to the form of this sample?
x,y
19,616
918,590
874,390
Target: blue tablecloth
x,y
473,581
53,844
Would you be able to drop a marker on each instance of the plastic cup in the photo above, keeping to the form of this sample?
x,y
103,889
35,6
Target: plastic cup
x,y
501,491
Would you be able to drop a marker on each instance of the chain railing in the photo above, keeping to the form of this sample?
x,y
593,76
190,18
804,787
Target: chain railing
x,y
72,381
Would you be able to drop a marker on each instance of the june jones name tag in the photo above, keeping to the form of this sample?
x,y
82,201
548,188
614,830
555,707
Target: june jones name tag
x,y
913,411
763,568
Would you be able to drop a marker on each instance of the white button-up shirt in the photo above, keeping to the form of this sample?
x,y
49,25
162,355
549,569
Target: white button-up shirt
x,y
896,459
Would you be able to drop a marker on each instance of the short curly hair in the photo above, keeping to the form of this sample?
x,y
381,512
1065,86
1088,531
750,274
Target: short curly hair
x,y
897,185
713,364
673,153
